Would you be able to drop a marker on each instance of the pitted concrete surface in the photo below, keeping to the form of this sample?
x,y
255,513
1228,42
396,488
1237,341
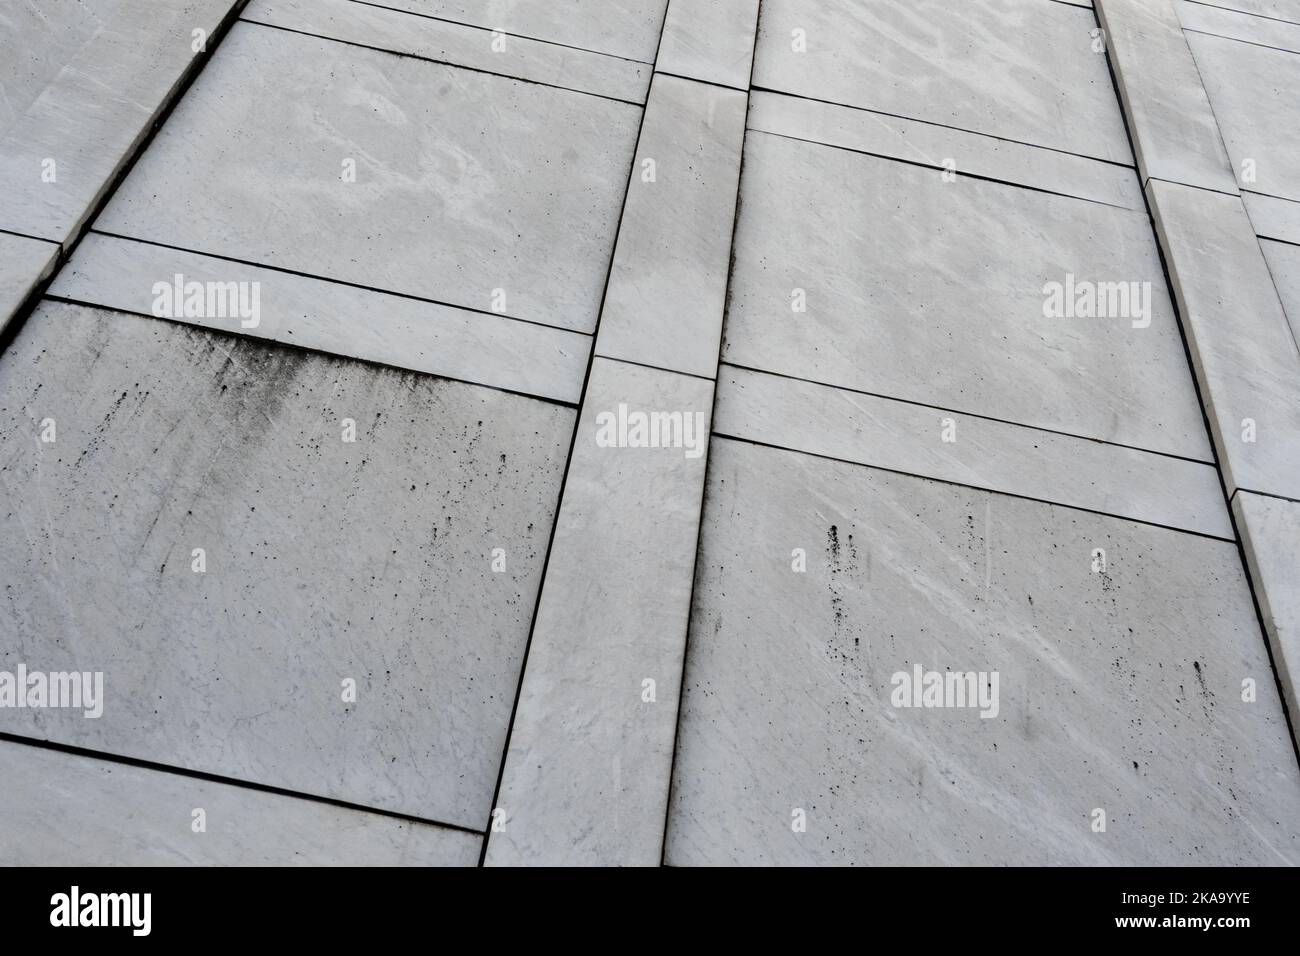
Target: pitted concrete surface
x,y
657,431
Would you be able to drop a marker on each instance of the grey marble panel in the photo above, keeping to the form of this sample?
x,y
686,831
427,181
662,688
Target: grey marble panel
x,y
1005,68
65,810
1270,537
1254,93
1239,26
1284,264
23,264
668,286
1243,349
405,333
459,45
934,292
627,28
586,777
1274,218
37,39
945,149
986,454
1277,9
710,40
1118,690
470,189
323,560
59,156
1174,130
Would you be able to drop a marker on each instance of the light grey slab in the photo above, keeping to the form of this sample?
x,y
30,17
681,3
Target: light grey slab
x,y
324,560
459,45
1277,9
627,28
985,454
933,292
466,183
37,39
1118,690
946,149
24,263
586,777
91,117
65,810
710,40
1006,68
1241,345
1238,26
1272,217
1174,131
405,333
668,286
1270,538
1284,264
1253,91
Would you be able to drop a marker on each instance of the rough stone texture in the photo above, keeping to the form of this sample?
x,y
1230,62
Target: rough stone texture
x,y
324,560
95,111
586,777
1169,115
458,45
668,285
1118,690
710,40
1253,90
626,28
922,307
63,810
986,454
1016,70
465,182
1270,536
1242,347
344,320
942,148
24,263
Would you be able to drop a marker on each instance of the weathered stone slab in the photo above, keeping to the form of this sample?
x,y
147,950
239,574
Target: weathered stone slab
x,y
1284,264
1278,9
710,40
267,600
24,264
1118,690
64,810
1273,218
470,189
586,777
906,297
1005,68
668,286
1203,18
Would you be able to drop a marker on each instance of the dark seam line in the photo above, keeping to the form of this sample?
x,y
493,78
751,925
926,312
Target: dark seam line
x,y
1210,433
924,165
708,458
962,484
696,79
447,63
954,411
312,350
1256,192
351,285
1285,242
959,129
521,36
654,368
1204,189
1266,494
23,235
204,775
1265,46
564,480
1243,13
9,332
